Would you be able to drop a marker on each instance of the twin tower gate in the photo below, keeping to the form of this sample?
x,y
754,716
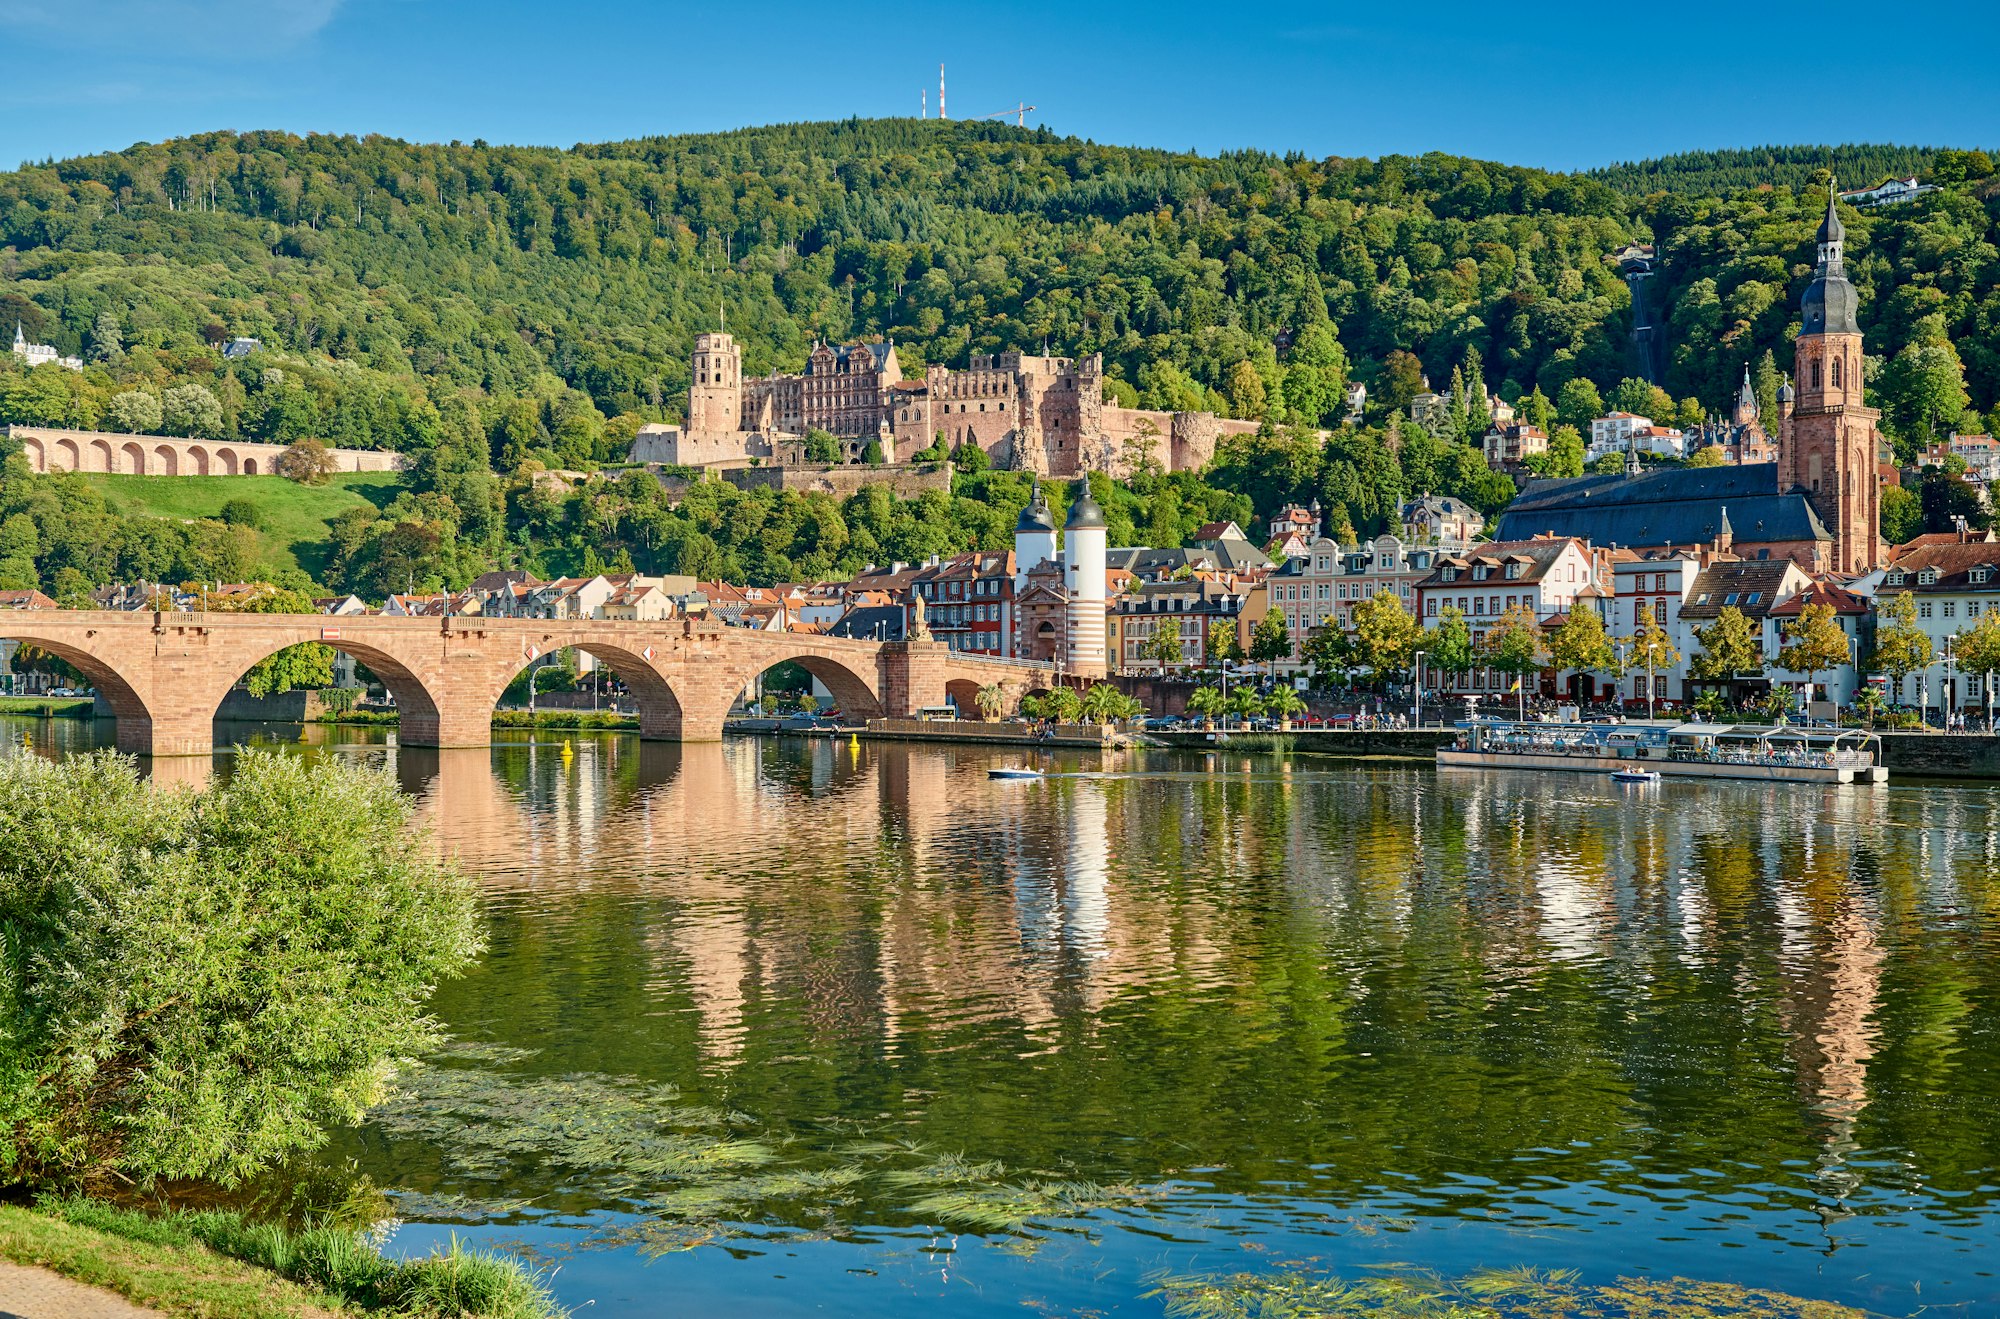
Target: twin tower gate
x,y
165,674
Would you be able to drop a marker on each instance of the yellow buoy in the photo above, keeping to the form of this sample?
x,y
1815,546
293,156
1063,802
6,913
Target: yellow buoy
x,y
568,751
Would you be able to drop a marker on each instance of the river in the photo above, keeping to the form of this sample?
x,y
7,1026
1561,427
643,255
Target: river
x,y
779,1027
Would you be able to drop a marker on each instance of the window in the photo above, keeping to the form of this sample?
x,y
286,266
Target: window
x,y
1701,599
1450,574
1430,608
1978,575
1513,571
1950,609
1927,577
1479,604
1749,599
1729,599
1924,609
1479,572
1895,578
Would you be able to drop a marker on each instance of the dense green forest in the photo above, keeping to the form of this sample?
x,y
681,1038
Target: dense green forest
x,y
490,309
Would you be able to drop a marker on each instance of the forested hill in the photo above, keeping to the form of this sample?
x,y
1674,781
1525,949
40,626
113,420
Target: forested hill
x,y
535,293
1721,173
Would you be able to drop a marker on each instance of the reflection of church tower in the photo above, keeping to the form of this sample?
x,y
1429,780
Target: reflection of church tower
x,y
1827,445
1083,575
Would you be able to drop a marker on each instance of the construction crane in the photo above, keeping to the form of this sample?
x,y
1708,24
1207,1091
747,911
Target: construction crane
x,y
1020,113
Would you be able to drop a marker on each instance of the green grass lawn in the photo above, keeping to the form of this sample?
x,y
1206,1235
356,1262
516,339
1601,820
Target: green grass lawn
x,y
295,517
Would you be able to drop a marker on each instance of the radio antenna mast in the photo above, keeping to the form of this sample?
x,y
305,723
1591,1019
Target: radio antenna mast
x,y
941,113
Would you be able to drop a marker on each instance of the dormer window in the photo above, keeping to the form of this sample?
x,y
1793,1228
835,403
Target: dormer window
x,y
1480,572
1893,579
1450,574
1978,575
1927,577
1513,571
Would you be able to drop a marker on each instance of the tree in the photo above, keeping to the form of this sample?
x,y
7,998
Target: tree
x,y
1730,647
1329,651
991,700
1924,388
1579,644
1245,703
1578,404
1650,647
1448,645
1246,392
1034,706
1103,703
133,412
1709,455
1063,704
1284,702
107,338
1316,375
241,512
1206,702
1163,647
1946,498
1902,515
1565,452
1814,642
1978,651
1513,644
307,462
1270,640
821,447
873,455
1901,646
192,411
201,984
1385,636
969,458
1224,645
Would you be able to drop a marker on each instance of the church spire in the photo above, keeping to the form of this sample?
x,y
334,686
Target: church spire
x,y
1746,400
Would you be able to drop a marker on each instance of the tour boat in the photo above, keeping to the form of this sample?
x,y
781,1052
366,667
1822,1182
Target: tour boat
x,y
1013,774
1675,750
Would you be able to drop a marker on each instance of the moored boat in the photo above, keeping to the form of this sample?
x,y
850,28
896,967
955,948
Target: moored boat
x,y
1674,750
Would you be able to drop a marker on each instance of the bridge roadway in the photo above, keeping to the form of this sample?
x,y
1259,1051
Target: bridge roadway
x,y
164,674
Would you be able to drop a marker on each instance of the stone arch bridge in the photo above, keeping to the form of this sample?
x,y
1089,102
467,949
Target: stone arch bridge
x,y
164,674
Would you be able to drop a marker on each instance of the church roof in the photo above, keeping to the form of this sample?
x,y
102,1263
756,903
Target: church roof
x,y
1831,230
1666,506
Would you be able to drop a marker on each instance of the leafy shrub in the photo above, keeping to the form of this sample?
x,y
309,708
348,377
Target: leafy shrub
x,y
195,984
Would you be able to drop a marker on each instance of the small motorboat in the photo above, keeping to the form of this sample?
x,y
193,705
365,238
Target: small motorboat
x,y
1013,774
1635,776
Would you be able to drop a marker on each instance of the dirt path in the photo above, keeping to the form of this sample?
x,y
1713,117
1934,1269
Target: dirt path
x,y
27,1293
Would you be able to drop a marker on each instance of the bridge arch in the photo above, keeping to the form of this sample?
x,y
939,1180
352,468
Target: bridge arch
x,y
660,713
418,708
964,693
134,715
856,692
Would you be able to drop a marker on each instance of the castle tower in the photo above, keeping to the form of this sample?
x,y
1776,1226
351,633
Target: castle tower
x,y
1083,575
715,386
1827,445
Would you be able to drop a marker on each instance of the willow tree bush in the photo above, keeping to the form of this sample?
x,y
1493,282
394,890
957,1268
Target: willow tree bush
x,y
196,984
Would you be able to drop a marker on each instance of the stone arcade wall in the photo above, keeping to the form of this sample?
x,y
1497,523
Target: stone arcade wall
x,y
49,449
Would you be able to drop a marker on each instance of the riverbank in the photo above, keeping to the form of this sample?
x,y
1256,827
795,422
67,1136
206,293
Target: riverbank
x,y
218,1266
49,707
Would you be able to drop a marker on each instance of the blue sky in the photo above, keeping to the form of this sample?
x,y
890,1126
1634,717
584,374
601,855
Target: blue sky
x,y
1562,85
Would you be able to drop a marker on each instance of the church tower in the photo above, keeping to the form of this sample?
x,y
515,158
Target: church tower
x,y
715,386
1827,440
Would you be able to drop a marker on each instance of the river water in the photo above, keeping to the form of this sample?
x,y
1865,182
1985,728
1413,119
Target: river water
x,y
780,1027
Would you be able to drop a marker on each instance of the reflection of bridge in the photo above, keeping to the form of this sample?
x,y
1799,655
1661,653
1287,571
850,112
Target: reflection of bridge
x,y
165,674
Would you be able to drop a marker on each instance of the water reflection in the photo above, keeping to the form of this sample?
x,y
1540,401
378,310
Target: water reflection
x,y
1714,1029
